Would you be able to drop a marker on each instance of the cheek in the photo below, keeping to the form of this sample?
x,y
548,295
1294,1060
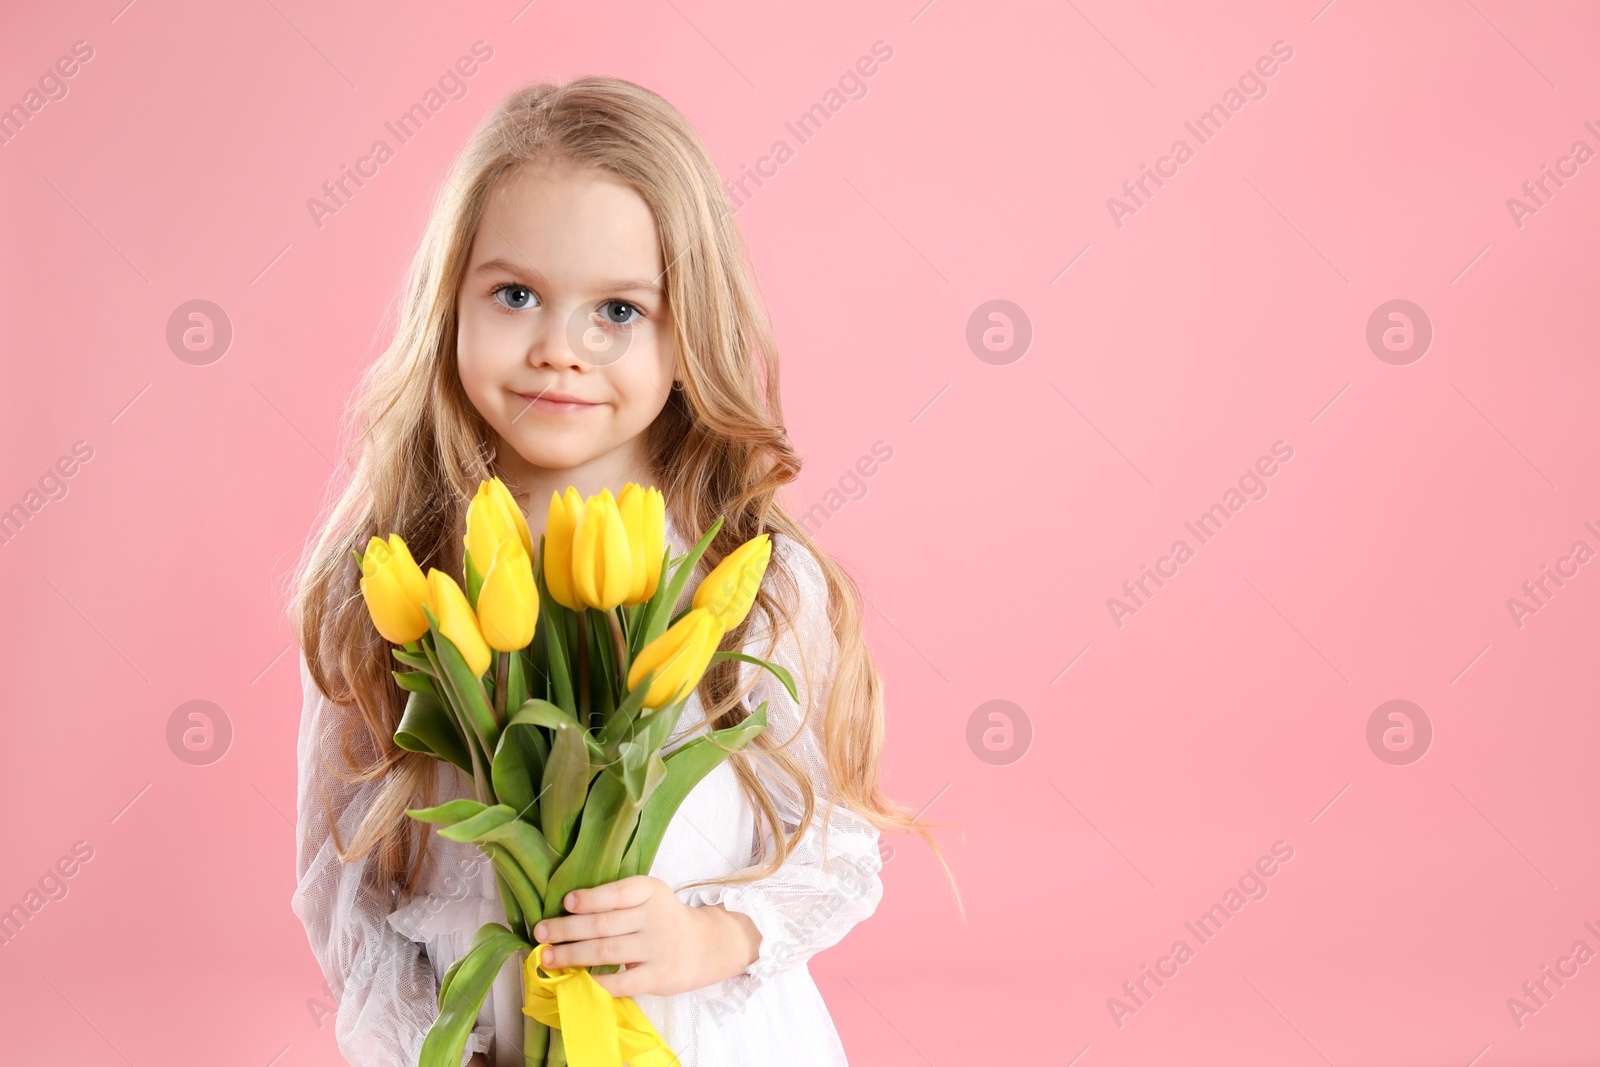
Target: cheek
x,y
477,356
644,375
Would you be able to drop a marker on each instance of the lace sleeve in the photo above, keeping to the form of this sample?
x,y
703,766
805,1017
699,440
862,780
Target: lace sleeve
x,y
808,904
385,985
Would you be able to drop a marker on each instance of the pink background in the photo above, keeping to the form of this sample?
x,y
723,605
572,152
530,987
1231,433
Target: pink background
x,y
1166,755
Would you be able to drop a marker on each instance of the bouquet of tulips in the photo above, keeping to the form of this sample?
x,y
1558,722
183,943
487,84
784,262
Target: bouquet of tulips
x,y
553,681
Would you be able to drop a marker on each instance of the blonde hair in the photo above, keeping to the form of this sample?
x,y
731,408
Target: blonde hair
x,y
718,447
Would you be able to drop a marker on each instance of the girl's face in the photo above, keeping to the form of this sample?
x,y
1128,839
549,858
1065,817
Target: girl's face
x,y
565,344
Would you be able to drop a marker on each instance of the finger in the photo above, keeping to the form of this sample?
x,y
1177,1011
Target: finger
x,y
629,983
586,926
624,893
629,948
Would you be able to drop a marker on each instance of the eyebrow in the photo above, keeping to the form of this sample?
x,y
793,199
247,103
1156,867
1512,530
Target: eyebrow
x,y
621,285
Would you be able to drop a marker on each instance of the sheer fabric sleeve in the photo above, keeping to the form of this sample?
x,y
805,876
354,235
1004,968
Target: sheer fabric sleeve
x,y
385,985
808,904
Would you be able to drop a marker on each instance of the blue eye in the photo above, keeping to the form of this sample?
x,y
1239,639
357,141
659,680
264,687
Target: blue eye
x,y
523,290
626,323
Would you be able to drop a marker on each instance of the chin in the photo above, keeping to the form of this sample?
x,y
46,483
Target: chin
x,y
556,458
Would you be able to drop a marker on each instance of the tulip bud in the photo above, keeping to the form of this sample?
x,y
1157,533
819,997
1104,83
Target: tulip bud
x,y
602,567
559,527
679,657
730,588
457,621
394,589
492,517
644,516
508,603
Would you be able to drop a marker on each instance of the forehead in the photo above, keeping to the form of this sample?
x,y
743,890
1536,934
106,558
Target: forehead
x,y
573,225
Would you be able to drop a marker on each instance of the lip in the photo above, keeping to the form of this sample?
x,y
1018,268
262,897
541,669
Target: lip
x,y
557,402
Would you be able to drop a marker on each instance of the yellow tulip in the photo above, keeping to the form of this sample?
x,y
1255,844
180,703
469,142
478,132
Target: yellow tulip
x,y
602,566
508,603
457,621
644,516
730,588
559,526
492,517
394,589
679,657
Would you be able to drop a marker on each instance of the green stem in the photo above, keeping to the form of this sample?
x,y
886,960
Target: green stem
x,y
621,642
508,900
480,783
582,679
502,667
535,1041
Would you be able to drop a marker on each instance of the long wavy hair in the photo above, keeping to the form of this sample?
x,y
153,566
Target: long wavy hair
x,y
418,449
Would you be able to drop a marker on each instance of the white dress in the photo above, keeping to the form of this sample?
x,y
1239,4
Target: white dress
x,y
383,957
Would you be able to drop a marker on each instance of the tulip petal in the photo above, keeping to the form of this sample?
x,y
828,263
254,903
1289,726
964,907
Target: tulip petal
x,y
560,528
508,605
457,621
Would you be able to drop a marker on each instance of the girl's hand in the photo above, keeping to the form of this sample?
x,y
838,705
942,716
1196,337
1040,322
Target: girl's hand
x,y
667,946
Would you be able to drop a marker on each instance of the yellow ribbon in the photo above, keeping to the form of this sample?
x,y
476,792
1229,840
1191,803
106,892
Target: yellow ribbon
x,y
597,1029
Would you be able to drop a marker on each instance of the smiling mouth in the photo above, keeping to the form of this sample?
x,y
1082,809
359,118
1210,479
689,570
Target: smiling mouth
x,y
551,406
549,400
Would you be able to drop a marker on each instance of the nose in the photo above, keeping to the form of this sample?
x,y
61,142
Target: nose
x,y
554,346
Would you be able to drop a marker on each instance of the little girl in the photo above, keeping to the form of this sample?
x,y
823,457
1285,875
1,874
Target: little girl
x,y
580,313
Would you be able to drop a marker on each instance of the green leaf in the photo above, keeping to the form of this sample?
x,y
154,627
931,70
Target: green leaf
x,y
510,903
414,681
475,827
602,665
552,620
516,681
621,723
448,813
518,765
514,878
658,623
450,976
639,617
635,760
419,660
461,997
654,775
684,770
783,675
534,658
608,823
543,713
466,686
474,579
565,783
427,727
